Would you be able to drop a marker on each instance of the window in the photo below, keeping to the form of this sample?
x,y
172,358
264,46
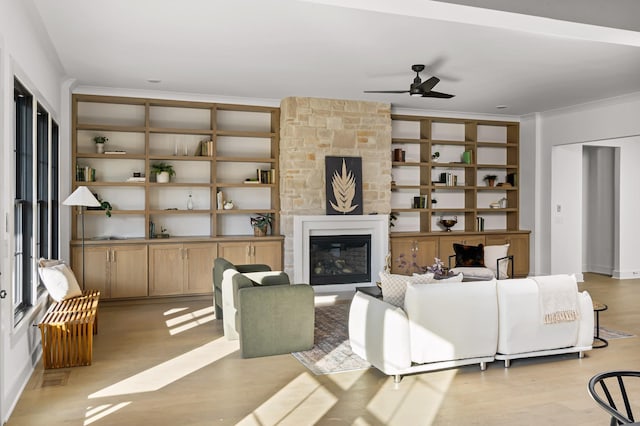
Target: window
x,y
23,205
43,181
36,215
55,192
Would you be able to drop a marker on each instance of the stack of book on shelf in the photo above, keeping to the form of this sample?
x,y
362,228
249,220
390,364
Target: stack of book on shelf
x,y
85,174
136,179
263,176
205,148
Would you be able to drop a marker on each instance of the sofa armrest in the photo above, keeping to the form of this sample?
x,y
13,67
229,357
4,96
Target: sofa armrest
x,y
275,319
379,333
268,277
585,332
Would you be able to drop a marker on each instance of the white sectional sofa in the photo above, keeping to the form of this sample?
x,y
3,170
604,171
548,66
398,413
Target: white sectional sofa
x,y
453,324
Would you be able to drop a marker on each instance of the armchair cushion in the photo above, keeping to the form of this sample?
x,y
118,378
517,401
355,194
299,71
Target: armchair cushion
x,y
491,256
469,255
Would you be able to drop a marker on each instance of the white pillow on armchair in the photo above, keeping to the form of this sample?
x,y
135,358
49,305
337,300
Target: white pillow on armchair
x,y
491,256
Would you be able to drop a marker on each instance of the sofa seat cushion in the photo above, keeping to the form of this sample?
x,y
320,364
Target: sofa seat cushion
x,y
449,321
521,326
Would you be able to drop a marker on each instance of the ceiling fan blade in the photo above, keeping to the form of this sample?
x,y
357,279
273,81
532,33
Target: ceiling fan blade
x,y
429,84
386,91
433,94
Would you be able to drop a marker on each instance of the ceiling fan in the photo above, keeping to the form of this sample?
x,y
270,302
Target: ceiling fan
x,y
418,87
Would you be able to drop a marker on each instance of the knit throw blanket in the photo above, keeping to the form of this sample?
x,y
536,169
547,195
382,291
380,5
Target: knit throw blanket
x,y
558,295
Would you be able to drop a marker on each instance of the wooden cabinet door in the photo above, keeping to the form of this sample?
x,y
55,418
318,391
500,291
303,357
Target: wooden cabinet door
x,y
129,271
447,242
166,266
96,263
405,251
236,252
198,267
518,247
268,253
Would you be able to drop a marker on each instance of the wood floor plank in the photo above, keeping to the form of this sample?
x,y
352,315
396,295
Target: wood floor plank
x,y
169,364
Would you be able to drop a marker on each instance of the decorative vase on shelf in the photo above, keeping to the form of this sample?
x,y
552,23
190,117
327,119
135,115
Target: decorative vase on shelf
x,y
260,231
100,148
190,203
162,177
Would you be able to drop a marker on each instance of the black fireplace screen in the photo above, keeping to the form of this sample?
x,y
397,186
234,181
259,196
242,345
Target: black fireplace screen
x,y
339,259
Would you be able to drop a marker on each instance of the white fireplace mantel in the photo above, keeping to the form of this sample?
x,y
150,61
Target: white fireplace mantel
x,y
306,226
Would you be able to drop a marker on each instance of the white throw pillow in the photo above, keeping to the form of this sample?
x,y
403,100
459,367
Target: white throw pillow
x,y
58,279
394,286
491,256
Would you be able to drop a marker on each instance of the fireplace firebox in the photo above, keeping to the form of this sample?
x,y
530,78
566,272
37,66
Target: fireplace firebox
x,y
339,259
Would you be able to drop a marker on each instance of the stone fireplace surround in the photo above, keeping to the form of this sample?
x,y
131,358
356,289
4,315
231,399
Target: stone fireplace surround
x,y
312,128
305,226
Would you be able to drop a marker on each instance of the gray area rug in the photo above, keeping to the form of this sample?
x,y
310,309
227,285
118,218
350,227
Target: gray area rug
x,y
331,352
608,334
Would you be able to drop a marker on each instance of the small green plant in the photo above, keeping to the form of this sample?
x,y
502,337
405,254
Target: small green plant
x,y
435,155
490,177
106,206
261,221
100,139
158,168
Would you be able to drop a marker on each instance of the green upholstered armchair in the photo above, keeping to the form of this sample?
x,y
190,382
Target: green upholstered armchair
x,y
219,266
267,314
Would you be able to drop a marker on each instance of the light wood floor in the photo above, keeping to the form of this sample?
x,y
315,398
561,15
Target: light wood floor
x,y
169,364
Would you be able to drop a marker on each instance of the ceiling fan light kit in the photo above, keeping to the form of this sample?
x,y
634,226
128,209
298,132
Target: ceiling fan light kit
x,y
418,87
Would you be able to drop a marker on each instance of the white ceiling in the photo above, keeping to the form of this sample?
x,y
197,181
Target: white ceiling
x,y
271,49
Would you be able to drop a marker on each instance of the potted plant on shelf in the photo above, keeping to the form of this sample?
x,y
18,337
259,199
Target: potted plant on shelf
x,y
491,179
100,141
435,156
163,172
260,224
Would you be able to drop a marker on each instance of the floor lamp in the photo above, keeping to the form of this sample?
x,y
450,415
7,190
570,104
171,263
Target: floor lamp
x,y
83,198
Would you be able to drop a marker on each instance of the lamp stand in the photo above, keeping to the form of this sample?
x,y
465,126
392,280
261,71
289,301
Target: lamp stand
x,y
82,215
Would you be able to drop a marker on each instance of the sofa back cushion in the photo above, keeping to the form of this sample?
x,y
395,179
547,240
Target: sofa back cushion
x,y
451,321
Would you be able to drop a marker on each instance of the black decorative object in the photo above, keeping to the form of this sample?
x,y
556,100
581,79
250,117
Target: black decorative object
x,y
343,185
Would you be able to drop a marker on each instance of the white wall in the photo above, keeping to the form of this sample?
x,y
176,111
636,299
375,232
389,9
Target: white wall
x,y
26,53
609,122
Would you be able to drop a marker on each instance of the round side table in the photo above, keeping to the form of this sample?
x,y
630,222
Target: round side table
x,y
599,342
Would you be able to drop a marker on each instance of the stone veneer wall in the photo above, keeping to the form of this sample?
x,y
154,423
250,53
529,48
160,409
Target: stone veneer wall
x,y
312,128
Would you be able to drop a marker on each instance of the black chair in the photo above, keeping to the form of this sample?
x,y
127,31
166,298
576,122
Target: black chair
x,y
616,391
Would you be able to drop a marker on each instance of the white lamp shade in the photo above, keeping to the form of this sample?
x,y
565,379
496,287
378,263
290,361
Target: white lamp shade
x,y
82,197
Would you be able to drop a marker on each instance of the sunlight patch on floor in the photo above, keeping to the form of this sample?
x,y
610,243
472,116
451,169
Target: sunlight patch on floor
x,y
415,397
174,311
348,378
301,401
189,320
96,413
170,371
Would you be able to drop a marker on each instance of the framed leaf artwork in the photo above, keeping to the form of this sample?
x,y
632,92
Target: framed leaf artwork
x,y
343,185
